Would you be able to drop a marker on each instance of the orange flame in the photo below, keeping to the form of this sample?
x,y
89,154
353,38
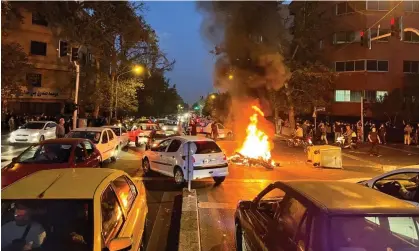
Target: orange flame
x,y
256,145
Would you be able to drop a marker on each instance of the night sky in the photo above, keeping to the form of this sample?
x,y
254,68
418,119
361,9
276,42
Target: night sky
x,y
178,27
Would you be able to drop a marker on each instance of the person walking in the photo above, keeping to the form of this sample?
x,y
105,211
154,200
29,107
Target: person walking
x,y
11,124
407,133
214,131
60,130
338,130
323,136
382,131
374,140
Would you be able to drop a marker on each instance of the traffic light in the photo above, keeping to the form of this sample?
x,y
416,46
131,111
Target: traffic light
x,y
196,107
74,54
62,48
362,38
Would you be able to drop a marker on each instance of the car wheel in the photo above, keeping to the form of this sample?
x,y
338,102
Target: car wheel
x,y
179,177
42,138
115,154
146,166
219,179
240,239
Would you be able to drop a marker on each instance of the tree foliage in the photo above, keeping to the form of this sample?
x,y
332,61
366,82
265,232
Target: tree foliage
x,y
215,107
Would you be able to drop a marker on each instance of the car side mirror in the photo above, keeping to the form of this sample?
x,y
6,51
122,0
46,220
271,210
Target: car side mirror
x,y
122,243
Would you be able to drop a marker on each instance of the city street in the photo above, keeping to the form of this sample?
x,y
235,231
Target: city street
x,y
217,203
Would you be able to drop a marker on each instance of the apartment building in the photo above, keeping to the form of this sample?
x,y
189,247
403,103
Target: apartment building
x,y
51,78
363,72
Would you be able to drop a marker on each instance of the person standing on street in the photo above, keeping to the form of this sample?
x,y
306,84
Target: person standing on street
x,y
60,130
374,140
323,136
193,128
382,132
407,133
338,130
214,131
11,124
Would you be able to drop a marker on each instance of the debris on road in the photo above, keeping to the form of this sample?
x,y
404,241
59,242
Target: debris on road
x,y
240,159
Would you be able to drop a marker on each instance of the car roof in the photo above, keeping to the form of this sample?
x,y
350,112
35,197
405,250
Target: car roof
x,y
192,138
90,129
66,183
343,198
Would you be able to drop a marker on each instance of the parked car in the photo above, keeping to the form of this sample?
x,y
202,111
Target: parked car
x,y
104,209
170,158
34,132
389,183
122,134
52,154
325,215
155,139
104,138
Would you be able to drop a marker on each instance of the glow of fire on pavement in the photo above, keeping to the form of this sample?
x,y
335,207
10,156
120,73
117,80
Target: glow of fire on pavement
x,y
256,145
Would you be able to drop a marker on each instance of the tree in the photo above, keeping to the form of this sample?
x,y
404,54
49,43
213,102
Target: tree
x,y
215,106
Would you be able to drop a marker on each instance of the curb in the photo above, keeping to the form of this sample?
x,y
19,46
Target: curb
x,y
189,237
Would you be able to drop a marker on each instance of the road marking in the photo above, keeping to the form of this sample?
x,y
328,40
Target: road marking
x,y
360,159
216,205
398,149
161,225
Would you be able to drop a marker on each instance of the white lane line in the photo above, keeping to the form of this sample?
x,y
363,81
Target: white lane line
x,y
398,149
161,225
215,205
360,159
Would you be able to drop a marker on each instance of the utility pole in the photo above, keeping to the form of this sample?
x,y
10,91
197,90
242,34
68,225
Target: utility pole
x,y
76,96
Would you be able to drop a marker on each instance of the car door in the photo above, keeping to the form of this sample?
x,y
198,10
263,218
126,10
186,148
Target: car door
x,y
171,156
133,207
80,156
92,159
158,160
103,146
257,219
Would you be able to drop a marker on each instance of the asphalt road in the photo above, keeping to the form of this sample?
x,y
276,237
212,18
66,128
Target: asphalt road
x,y
217,203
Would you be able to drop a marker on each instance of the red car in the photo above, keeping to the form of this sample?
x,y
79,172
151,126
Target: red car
x,y
52,154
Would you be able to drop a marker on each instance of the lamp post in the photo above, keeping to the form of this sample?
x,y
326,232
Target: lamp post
x,y
76,96
137,70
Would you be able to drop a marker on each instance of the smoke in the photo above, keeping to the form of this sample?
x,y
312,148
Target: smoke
x,y
249,40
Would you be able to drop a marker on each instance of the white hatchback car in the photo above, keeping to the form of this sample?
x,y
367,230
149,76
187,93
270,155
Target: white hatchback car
x,y
121,133
389,183
34,132
104,138
170,157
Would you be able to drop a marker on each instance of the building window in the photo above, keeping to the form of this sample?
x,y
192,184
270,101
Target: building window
x,y
356,96
357,65
342,95
377,65
378,5
370,96
344,8
411,6
360,65
38,19
382,32
339,66
380,95
34,79
38,48
409,36
411,66
343,37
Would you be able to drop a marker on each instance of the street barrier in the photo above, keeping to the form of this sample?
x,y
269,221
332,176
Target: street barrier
x,y
325,156
189,238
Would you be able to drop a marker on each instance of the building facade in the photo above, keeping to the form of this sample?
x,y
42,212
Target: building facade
x,y
51,77
364,72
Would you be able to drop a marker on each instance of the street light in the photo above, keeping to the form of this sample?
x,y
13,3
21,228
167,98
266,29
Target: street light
x,y
230,77
213,96
137,69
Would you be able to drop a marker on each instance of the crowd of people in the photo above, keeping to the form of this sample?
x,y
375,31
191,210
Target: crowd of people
x,y
352,132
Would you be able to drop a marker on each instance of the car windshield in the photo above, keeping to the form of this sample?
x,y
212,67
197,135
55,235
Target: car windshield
x,y
204,147
46,154
371,233
93,136
68,223
33,126
117,131
159,136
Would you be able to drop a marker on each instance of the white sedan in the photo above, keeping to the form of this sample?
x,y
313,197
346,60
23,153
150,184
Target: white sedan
x,y
389,182
104,138
170,158
34,132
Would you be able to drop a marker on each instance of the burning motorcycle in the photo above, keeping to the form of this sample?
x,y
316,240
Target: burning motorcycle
x,y
296,142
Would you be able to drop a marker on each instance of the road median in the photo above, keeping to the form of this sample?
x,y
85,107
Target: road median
x,y
189,238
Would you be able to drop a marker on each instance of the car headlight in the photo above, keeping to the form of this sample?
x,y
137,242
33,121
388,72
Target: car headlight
x,y
175,129
35,134
164,128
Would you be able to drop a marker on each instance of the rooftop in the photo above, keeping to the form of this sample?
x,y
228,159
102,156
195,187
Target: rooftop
x,y
74,183
347,198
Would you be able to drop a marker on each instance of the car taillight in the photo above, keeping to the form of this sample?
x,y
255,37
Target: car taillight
x,y
225,157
